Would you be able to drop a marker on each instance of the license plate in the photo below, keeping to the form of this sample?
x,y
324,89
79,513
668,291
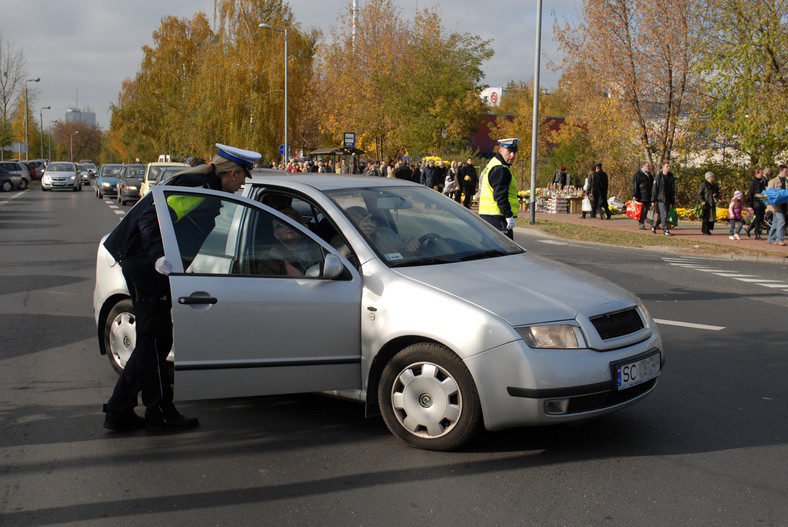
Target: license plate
x,y
635,372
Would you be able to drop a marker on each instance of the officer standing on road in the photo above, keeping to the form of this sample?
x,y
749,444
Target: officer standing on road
x,y
136,244
498,201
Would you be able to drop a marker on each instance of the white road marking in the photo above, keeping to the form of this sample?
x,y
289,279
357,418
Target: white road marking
x,y
754,280
551,242
776,286
688,325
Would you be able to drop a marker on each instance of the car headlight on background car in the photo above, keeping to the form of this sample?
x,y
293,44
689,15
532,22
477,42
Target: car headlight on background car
x,y
559,336
105,184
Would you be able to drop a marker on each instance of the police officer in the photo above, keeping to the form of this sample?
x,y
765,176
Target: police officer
x,y
498,201
136,244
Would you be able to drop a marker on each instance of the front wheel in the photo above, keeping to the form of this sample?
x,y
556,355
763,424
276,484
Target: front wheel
x,y
428,398
6,186
120,334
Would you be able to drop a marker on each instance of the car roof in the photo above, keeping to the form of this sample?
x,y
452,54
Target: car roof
x,y
324,182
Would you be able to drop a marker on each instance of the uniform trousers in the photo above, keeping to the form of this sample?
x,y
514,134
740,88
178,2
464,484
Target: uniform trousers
x,y
146,370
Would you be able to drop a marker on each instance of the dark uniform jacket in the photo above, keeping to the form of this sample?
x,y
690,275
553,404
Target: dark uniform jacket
x,y
138,236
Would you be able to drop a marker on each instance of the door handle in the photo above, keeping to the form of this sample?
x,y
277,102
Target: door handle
x,y
193,300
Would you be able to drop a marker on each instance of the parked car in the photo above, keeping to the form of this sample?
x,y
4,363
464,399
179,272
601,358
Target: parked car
x,y
107,180
39,165
153,171
19,170
61,175
129,182
8,181
84,174
394,296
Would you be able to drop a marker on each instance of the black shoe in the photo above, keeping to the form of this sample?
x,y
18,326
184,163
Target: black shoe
x,y
173,422
747,230
123,421
668,233
653,230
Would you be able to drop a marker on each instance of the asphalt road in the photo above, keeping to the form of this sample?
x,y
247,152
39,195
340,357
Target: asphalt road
x,y
707,448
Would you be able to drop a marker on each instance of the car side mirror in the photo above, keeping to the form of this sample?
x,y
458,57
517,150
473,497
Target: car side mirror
x,y
332,267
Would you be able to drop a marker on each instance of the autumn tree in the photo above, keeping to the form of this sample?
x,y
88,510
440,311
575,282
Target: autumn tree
x,y
13,69
745,64
402,86
632,62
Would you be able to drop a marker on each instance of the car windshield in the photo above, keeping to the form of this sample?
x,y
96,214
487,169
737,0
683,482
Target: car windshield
x,y
111,171
135,171
61,167
410,226
168,173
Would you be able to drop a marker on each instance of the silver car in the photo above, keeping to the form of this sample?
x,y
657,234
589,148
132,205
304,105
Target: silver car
x,y
61,175
388,293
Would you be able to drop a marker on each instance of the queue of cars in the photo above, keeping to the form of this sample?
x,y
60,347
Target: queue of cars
x,y
393,296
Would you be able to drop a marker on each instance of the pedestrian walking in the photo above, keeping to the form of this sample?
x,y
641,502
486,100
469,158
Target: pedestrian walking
x,y
735,209
708,193
642,185
757,207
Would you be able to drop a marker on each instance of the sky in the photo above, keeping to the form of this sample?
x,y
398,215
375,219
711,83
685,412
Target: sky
x,y
83,49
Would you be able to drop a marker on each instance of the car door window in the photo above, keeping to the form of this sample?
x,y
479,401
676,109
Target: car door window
x,y
221,236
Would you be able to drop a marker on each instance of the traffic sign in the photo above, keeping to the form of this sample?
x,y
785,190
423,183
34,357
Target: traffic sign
x,y
282,149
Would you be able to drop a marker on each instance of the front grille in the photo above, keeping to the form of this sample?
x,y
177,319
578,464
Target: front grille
x,y
619,324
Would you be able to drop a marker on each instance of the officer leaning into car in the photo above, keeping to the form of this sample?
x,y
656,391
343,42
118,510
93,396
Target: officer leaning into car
x,y
498,202
136,244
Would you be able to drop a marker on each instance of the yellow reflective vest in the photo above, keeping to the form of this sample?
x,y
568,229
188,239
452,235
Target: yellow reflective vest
x,y
487,203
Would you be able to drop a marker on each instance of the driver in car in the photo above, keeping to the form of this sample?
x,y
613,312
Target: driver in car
x,y
295,253
382,238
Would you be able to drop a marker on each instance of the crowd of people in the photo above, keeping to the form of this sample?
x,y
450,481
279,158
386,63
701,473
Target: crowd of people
x,y
457,179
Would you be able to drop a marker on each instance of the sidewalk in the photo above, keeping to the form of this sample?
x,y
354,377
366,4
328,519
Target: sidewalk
x,y
687,230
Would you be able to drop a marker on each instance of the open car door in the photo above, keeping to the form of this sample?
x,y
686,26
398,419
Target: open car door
x,y
252,316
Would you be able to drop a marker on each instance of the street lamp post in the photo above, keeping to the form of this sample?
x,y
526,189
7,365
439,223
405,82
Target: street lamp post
x,y
72,145
266,26
41,122
27,125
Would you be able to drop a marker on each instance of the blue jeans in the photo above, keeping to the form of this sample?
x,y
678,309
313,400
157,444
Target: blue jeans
x,y
777,232
738,224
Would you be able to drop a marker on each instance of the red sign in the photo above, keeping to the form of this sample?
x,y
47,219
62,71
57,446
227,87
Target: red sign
x,y
494,97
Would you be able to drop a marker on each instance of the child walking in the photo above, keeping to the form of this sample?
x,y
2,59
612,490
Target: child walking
x,y
735,216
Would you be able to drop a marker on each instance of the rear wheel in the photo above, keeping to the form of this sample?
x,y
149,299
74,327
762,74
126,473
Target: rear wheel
x,y
23,186
6,186
428,398
120,334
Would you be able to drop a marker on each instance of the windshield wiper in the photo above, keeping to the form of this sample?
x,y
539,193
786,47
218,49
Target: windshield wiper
x,y
492,253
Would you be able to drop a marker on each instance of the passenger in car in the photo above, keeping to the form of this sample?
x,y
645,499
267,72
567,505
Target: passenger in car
x,y
295,253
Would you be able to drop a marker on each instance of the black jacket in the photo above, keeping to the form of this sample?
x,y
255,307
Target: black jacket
x,y
757,186
664,189
597,186
641,186
708,193
138,236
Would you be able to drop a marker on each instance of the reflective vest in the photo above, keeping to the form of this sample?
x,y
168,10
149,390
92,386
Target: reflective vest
x,y
183,205
487,203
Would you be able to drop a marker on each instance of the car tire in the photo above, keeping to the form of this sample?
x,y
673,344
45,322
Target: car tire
x,y
23,185
428,399
120,334
7,186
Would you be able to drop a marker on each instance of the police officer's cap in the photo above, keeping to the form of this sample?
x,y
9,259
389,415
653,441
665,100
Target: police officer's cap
x,y
243,158
510,144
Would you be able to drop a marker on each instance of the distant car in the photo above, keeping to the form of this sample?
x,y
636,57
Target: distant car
x,y
8,181
363,300
90,165
107,180
19,170
84,174
152,172
129,182
40,165
61,175
167,174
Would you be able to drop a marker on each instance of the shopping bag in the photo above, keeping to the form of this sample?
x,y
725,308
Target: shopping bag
x,y
652,217
586,204
776,196
673,217
634,209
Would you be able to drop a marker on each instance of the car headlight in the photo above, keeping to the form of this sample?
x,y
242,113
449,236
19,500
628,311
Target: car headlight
x,y
72,178
559,336
105,184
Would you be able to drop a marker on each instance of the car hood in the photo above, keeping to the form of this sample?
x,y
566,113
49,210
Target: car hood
x,y
525,288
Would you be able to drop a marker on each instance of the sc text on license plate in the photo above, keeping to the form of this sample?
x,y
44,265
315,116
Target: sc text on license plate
x,y
632,373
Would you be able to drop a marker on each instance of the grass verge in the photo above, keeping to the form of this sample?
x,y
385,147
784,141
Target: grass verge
x,y
643,239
